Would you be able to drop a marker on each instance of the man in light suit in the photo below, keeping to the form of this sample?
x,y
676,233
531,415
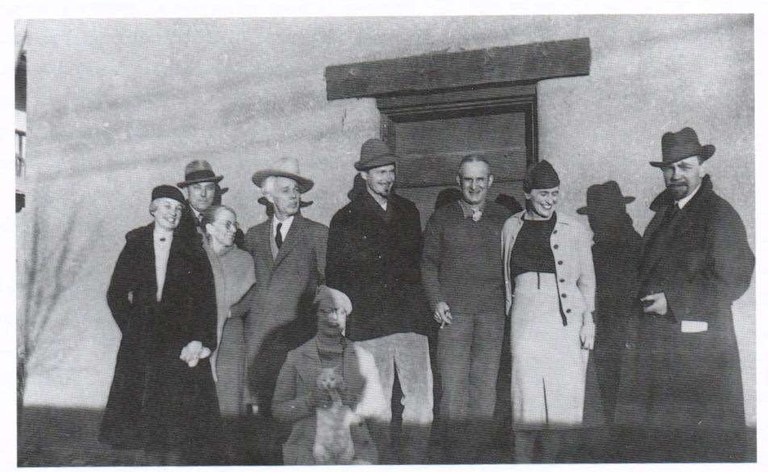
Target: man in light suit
x,y
289,254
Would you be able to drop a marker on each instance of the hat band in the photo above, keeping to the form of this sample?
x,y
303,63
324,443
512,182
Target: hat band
x,y
200,175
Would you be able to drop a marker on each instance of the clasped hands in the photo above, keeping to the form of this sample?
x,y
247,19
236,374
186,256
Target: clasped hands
x,y
193,352
442,314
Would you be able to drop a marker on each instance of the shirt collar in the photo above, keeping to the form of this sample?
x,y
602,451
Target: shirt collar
x,y
376,198
684,201
161,236
466,208
286,224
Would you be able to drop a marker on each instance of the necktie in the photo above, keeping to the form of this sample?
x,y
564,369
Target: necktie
x,y
200,220
278,236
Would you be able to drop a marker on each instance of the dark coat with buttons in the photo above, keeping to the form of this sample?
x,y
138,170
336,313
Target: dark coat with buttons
x,y
374,258
702,262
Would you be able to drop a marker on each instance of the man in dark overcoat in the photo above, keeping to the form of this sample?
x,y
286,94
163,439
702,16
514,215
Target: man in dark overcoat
x,y
374,251
681,374
288,252
162,298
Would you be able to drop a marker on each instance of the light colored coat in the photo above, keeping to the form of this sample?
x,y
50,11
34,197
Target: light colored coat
x,y
279,313
571,245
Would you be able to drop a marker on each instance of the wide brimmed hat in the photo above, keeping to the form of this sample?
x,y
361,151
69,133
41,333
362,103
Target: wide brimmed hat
x,y
198,171
604,197
286,167
302,203
678,146
167,191
375,153
540,175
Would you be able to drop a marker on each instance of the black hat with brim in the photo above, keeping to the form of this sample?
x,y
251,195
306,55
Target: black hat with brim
x,y
682,145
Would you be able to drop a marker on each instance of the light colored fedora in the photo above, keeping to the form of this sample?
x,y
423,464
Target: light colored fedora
x,y
286,167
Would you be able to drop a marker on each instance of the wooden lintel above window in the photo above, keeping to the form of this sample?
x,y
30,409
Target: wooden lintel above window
x,y
446,71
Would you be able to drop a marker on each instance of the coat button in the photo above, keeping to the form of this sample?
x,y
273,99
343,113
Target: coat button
x,y
564,295
562,281
568,310
556,246
559,262
554,232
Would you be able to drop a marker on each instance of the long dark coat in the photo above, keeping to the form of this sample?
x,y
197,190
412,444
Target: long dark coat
x,y
376,262
702,262
156,400
278,309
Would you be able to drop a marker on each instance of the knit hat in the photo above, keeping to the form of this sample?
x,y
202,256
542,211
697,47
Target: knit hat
x,y
541,175
327,299
167,191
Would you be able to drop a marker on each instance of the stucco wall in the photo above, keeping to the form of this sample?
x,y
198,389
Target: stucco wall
x,y
118,106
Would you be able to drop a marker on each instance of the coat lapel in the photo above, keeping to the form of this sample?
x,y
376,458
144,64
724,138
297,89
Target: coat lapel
x,y
148,247
262,249
291,240
659,234
310,365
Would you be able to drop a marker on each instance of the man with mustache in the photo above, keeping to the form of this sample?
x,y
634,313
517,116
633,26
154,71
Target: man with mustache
x,y
374,250
681,376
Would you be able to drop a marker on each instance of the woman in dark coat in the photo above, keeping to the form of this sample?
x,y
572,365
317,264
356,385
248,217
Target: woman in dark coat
x,y
161,295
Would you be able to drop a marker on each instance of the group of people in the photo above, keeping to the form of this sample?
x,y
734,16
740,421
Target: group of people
x,y
302,328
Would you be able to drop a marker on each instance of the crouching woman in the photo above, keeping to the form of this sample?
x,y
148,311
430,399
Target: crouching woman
x,y
329,390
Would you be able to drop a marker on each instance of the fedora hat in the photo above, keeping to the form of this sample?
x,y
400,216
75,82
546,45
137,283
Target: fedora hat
x,y
602,197
375,153
198,171
678,146
285,167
